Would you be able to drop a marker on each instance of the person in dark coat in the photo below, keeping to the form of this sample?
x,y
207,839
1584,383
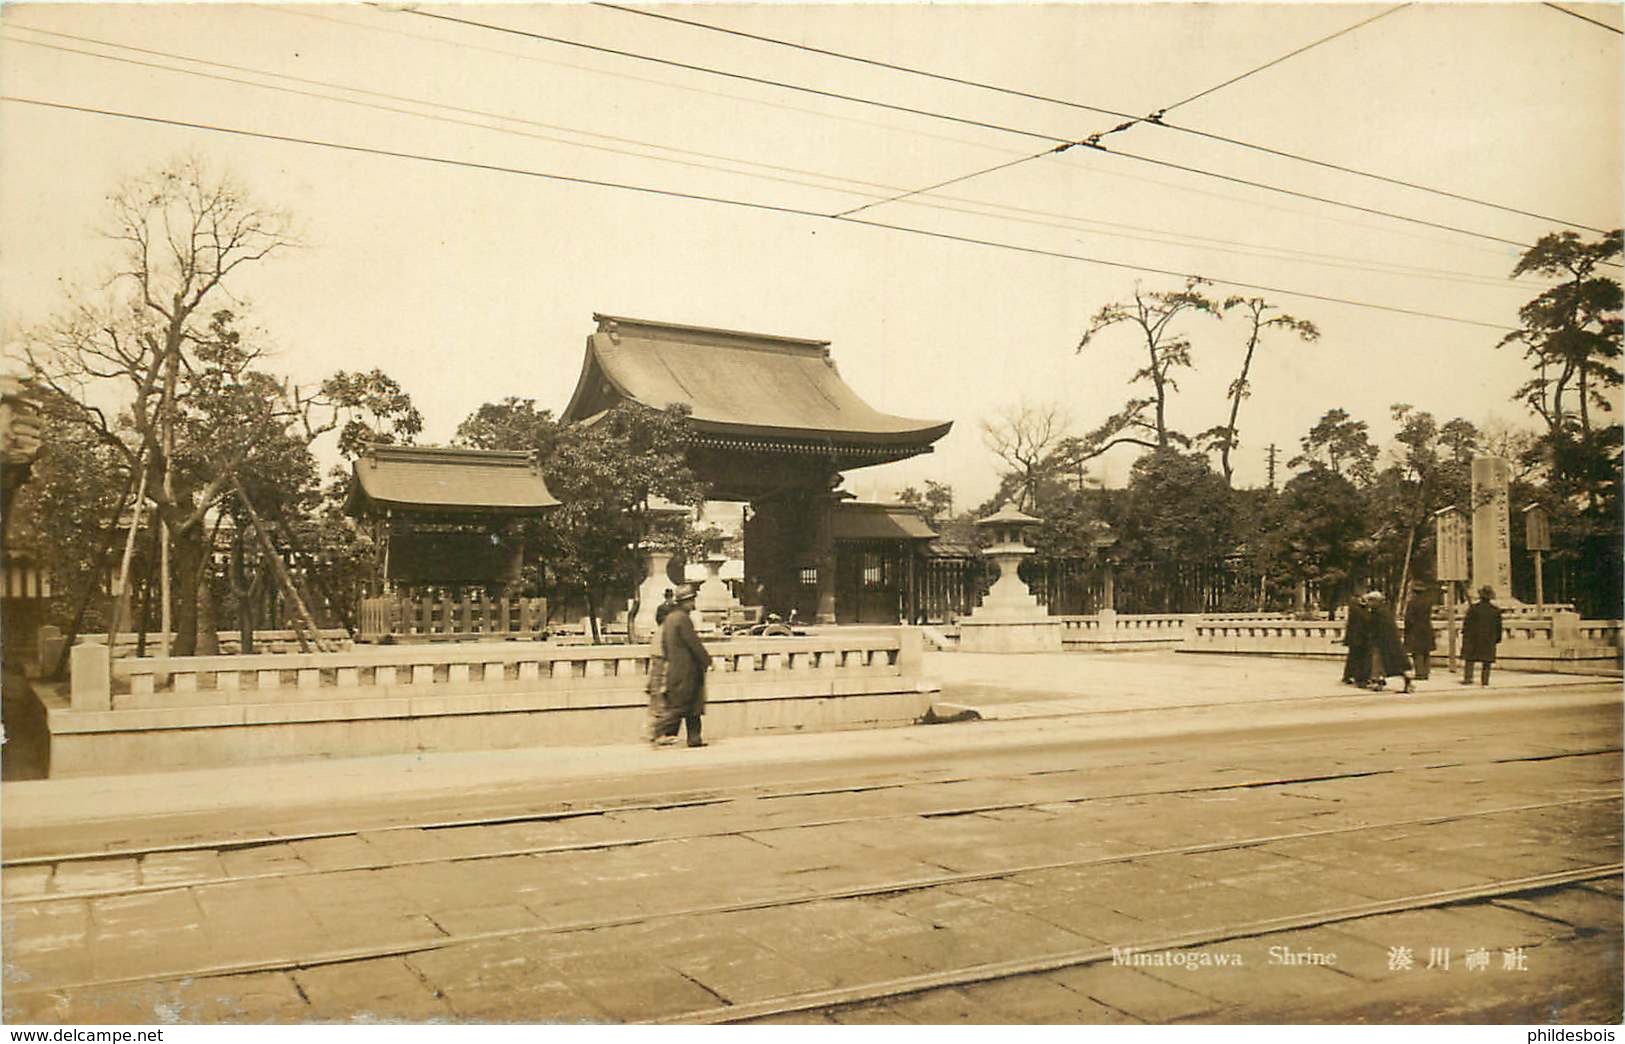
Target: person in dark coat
x,y
686,663
1419,640
1356,631
1388,659
659,733
1480,634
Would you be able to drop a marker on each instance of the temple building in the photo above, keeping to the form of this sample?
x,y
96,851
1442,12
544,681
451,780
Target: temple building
x,y
450,548
775,426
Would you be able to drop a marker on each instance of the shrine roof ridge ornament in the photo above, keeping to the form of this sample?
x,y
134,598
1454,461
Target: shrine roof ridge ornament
x,y
784,393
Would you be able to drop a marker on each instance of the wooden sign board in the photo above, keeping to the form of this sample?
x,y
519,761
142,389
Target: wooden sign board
x,y
1537,529
1451,544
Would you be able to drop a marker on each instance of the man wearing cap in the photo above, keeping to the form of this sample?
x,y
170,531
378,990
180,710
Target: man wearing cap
x,y
686,664
1480,634
1419,641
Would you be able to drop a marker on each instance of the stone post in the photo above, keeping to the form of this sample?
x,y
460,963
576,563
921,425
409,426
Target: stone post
x,y
47,649
90,685
1492,536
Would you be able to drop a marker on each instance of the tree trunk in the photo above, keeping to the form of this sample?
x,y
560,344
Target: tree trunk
x,y
244,593
208,634
187,558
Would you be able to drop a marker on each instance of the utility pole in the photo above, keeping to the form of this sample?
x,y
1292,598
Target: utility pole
x,y
1272,451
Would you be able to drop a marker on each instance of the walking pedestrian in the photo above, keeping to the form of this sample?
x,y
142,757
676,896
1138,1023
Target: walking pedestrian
x,y
656,687
1387,652
686,664
1480,634
1356,635
1419,640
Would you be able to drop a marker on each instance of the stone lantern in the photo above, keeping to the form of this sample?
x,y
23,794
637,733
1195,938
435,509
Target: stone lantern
x,y
660,519
1009,618
713,601
1102,539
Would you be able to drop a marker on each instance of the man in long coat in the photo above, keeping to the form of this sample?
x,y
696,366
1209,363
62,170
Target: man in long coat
x,y
1419,640
1480,634
686,664
1356,635
1388,657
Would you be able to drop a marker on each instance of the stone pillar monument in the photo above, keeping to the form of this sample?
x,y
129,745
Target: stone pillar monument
x,y
1492,527
1009,618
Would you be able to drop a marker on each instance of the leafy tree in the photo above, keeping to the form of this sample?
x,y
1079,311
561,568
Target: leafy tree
x,y
1225,437
1339,445
935,504
70,510
1571,331
1144,421
374,409
1176,508
1316,530
605,472
129,359
513,423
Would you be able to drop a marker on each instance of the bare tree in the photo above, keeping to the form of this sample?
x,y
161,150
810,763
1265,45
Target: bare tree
x,y
1144,421
1226,437
1025,437
133,359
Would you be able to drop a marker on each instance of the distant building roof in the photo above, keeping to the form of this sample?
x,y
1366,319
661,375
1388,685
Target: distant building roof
x,y
856,520
769,392
436,479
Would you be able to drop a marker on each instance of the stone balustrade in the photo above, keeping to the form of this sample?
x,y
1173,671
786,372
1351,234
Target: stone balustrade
x,y
1122,631
141,714
265,641
1559,642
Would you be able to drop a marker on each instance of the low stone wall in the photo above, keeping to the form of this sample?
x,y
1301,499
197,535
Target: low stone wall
x,y
1561,643
1110,631
150,714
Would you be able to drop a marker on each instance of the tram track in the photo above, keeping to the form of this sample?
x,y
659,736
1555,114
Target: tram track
x,y
823,1000
945,811
893,886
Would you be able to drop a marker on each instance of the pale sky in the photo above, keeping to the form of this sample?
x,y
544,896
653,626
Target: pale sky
x,y
470,285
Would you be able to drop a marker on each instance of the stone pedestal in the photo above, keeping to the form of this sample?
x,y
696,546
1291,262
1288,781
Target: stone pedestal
x,y
651,592
1492,532
713,597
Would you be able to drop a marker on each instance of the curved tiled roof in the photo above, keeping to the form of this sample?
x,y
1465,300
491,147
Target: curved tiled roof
x,y
737,384
436,479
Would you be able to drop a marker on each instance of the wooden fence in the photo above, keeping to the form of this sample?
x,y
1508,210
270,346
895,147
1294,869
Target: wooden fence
x,y
471,616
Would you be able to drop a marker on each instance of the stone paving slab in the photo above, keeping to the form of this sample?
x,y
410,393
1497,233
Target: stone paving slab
x,y
371,991
1134,993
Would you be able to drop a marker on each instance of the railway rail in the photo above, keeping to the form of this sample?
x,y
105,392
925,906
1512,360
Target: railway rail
x,y
947,879
687,802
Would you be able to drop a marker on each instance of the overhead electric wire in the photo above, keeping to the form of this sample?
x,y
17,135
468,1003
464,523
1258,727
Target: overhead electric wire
x,y
648,190
1277,61
1141,120
1583,18
1056,139
1094,139
1181,186
1219,245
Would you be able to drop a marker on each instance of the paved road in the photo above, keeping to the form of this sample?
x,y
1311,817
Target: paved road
x,y
981,872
